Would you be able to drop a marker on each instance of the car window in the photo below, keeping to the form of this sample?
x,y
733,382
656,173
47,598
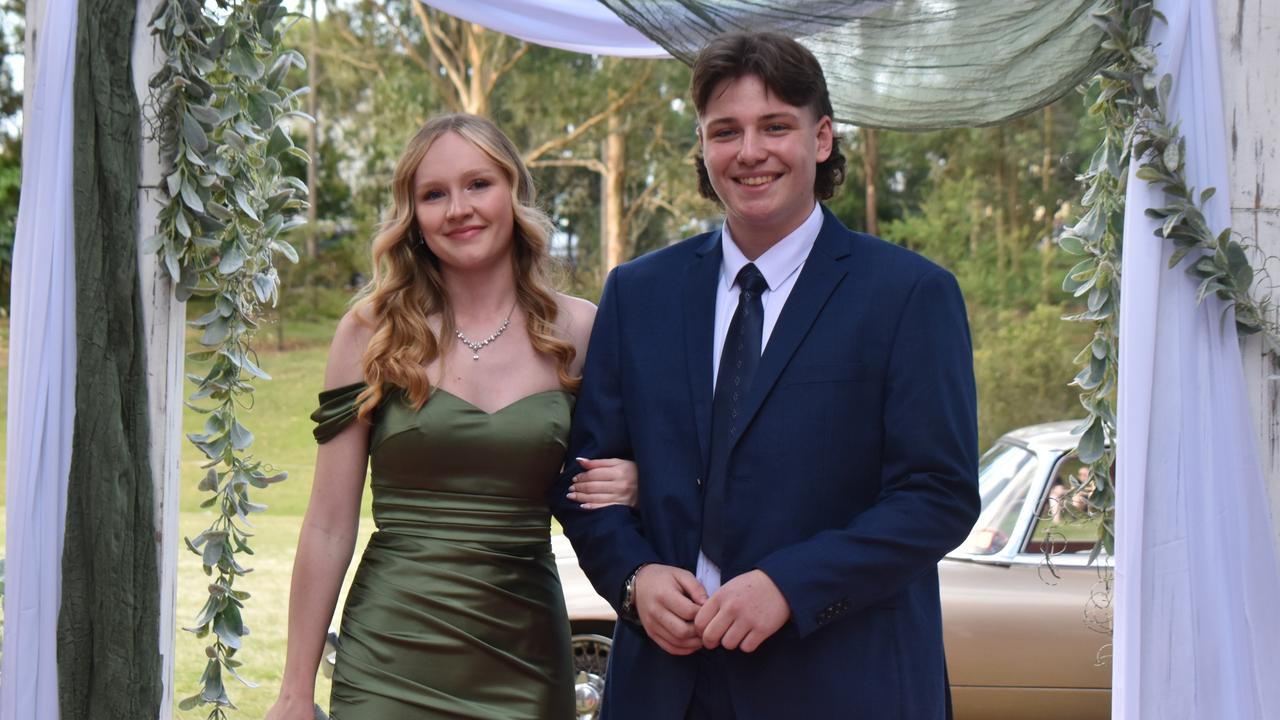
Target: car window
x,y
1066,521
1004,477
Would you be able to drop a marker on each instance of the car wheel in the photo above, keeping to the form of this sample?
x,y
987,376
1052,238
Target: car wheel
x,y
590,662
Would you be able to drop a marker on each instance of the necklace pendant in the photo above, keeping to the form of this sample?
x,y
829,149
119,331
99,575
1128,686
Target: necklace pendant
x,y
476,347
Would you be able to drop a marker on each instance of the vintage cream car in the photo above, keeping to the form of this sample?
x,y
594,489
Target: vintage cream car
x,y
1027,634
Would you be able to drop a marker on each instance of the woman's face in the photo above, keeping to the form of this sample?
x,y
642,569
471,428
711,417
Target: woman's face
x,y
462,203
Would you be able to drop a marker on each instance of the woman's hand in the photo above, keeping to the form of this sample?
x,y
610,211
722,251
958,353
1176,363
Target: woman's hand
x,y
607,481
292,708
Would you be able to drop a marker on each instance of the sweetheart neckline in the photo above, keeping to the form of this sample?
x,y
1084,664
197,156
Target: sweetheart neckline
x,y
502,409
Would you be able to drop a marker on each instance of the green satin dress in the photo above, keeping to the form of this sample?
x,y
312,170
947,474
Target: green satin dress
x,y
456,609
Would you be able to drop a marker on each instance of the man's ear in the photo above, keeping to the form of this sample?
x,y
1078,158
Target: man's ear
x,y
825,133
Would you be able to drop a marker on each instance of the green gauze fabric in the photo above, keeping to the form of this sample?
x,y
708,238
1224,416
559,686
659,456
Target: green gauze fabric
x,y
108,627
906,64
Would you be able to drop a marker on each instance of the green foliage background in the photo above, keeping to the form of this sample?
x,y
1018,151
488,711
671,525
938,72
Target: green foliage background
x,y
987,203
13,13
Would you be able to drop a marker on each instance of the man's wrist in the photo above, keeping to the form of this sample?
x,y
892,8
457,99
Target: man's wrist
x,y
627,608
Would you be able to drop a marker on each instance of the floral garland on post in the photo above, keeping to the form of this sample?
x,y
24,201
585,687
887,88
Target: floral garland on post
x,y
1130,102
221,101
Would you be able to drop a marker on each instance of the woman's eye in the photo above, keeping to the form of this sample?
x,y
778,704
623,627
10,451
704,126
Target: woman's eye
x,y
432,195
480,184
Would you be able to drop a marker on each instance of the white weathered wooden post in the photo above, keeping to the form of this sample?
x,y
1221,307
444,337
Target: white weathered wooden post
x,y
1247,31
163,319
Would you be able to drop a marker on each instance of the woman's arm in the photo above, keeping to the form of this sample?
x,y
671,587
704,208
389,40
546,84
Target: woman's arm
x,y
606,481
328,536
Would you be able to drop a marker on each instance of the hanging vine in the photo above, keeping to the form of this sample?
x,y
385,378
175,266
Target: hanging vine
x,y
1130,101
223,110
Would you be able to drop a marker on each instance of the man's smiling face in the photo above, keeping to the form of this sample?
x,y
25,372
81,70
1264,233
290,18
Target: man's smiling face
x,y
761,155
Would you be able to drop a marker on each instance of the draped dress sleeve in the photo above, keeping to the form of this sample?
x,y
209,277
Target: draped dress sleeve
x,y
337,410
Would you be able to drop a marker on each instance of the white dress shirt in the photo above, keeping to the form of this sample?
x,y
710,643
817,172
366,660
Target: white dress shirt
x,y
780,266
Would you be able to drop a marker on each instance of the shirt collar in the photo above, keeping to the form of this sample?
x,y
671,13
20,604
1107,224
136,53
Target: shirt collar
x,y
778,262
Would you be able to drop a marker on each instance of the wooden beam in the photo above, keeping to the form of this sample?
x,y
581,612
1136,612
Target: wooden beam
x,y
1249,55
163,321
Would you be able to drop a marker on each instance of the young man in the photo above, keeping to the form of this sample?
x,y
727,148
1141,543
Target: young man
x,y
800,401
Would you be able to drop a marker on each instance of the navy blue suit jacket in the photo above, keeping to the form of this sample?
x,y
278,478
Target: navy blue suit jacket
x,y
855,473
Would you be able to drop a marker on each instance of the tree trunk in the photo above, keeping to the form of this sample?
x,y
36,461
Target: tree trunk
x,y
975,225
1002,179
1013,211
613,232
870,168
476,100
1050,209
312,143
1002,245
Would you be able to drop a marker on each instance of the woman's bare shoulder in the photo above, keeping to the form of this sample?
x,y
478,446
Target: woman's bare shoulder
x,y
579,316
346,353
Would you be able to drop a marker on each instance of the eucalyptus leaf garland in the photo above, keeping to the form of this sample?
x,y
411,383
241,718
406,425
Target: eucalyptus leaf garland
x,y
1130,101
223,109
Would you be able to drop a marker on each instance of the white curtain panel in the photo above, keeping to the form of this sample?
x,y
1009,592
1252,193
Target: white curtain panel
x,y
1197,623
583,26
42,365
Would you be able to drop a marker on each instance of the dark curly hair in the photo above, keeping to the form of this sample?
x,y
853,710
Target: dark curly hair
x,y
788,69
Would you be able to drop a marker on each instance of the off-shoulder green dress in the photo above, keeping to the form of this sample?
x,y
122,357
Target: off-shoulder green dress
x,y
456,609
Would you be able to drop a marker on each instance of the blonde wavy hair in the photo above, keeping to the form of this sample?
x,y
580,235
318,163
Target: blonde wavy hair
x,y
407,287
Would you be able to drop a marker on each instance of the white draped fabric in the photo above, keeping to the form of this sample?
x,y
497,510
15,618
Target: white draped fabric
x,y
1197,623
42,365
583,26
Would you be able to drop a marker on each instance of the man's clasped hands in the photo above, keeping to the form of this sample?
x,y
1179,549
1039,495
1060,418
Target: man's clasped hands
x,y
681,618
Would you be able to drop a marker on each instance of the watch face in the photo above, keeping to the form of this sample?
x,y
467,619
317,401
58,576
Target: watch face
x,y
629,595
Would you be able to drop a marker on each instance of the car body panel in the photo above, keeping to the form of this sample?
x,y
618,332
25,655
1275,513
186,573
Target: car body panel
x,y
975,703
1018,626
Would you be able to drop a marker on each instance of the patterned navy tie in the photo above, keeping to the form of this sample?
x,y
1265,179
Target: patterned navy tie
x,y
738,363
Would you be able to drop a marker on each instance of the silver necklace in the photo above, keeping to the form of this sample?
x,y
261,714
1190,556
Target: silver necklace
x,y
476,346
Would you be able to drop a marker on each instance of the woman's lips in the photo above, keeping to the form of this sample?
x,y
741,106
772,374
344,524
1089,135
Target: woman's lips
x,y
464,233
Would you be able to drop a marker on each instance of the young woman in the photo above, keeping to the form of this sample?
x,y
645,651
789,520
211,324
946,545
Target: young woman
x,y
452,378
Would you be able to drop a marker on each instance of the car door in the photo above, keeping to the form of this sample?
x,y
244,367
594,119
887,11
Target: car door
x,y
1026,635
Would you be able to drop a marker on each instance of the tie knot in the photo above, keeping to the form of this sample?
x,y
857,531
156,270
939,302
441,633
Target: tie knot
x,y
750,280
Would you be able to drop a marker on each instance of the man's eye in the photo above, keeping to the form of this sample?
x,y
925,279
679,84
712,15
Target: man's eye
x,y
777,127
724,133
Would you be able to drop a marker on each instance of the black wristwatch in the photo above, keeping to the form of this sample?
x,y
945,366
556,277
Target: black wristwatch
x,y
628,609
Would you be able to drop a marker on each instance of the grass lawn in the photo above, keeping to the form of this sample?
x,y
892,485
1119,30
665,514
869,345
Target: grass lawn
x,y
4,406
278,417
279,420
266,613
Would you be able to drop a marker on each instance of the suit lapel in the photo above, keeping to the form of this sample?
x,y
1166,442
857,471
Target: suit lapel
x,y
699,306
822,272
